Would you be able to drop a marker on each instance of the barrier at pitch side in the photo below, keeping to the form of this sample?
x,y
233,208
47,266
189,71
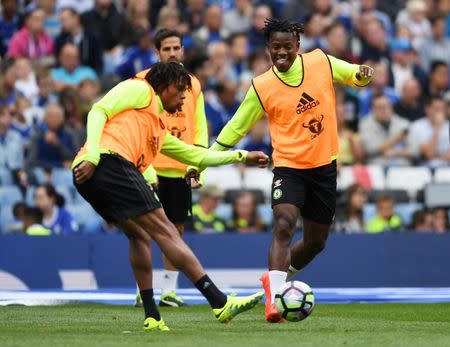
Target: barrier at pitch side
x,y
101,261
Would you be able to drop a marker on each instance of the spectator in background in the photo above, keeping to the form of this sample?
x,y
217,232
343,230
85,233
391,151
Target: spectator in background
x,y
351,220
137,58
245,217
193,14
374,41
314,32
337,42
239,53
220,68
415,19
350,147
52,146
204,216
71,73
437,47
52,24
259,138
384,135
89,92
422,221
440,222
90,47
25,82
238,20
111,27
255,34
137,15
19,123
9,23
220,107
379,86
46,88
8,77
11,144
17,224
403,66
371,7
169,18
213,30
386,219
55,216
32,222
410,106
438,80
429,138
75,118
32,41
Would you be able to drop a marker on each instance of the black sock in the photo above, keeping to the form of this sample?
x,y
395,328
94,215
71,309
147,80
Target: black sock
x,y
215,297
149,304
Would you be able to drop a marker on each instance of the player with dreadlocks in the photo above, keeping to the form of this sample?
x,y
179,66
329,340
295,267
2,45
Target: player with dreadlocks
x,y
110,171
298,96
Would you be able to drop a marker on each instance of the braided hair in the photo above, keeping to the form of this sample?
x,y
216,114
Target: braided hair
x,y
273,25
162,75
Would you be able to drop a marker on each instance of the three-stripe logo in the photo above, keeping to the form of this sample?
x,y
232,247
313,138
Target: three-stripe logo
x,y
306,102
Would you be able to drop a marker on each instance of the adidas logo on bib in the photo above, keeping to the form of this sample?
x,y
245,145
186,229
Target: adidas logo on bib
x,y
306,102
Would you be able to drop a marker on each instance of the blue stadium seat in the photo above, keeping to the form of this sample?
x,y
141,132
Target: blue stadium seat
x,y
265,212
62,178
6,178
9,195
224,211
82,213
6,217
67,193
40,175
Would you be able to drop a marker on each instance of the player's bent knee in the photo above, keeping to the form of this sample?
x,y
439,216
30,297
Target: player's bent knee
x,y
284,227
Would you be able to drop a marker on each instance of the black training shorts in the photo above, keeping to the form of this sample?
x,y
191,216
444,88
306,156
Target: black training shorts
x,y
176,198
313,191
117,190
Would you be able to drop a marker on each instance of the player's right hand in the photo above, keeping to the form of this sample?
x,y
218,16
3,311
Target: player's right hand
x,y
84,172
257,158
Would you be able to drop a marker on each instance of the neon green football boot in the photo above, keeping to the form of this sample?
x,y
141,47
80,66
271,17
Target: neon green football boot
x,y
151,324
170,299
236,305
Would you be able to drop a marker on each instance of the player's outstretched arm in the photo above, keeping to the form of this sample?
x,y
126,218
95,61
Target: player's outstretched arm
x,y
203,158
350,74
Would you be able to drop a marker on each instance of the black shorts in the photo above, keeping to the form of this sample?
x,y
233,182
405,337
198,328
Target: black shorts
x,y
313,191
176,198
117,190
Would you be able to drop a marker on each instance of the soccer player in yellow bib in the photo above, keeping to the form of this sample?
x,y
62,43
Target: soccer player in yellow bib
x,y
297,94
109,172
189,125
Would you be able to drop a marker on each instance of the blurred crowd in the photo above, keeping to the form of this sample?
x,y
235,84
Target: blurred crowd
x,y
60,56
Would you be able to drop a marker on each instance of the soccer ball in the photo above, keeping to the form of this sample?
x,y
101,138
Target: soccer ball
x,y
295,301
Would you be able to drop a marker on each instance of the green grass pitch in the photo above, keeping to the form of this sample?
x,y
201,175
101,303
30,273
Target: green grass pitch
x,y
330,325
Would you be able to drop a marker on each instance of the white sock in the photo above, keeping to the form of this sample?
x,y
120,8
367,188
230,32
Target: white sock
x,y
276,280
169,282
291,273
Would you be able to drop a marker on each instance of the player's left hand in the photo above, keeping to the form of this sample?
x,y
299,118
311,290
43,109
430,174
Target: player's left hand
x,y
257,158
192,173
84,172
365,72
195,183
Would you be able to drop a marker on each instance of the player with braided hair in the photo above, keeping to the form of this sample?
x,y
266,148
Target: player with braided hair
x,y
298,96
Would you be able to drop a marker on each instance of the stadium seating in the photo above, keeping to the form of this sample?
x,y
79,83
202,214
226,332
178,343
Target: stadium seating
x,y
405,211
62,178
411,179
82,213
225,178
6,178
399,195
370,177
442,174
9,195
256,178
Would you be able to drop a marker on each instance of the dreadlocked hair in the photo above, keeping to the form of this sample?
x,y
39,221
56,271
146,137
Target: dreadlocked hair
x,y
273,25
162,75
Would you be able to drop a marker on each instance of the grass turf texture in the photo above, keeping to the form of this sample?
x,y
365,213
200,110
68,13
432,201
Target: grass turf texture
x,y
330,325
